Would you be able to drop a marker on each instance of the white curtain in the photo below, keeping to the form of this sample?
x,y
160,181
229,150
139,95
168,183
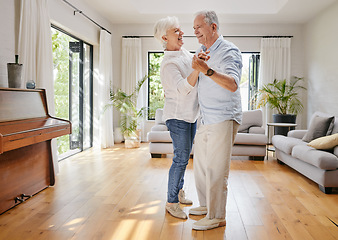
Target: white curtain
x,y
36,54
275,63
132,72
131,63
104,87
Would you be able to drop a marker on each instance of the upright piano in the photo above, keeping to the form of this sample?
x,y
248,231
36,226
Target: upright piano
x,y
26,131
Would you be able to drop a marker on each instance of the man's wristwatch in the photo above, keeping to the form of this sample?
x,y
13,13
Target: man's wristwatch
x,y
210,72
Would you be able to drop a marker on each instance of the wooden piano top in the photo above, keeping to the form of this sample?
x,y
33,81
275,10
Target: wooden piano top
x,y
24,119
10,128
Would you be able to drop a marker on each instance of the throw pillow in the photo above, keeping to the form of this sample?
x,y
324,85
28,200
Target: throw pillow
x,y
324,143
318,128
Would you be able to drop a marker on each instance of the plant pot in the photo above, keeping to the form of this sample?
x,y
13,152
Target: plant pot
x,y
283,118
14,75
133,141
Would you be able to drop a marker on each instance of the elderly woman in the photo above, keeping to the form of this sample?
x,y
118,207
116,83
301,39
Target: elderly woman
x,y
180,110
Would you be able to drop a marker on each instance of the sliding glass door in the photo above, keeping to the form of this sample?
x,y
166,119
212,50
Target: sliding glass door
x,y
73,84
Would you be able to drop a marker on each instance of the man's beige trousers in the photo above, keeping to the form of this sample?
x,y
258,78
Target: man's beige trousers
x,y
212,155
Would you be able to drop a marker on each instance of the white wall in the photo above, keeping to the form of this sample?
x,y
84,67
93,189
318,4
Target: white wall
x,y
245,45
62,15
321,34
9,29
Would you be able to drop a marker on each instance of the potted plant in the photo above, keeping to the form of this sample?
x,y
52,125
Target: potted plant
x,y
284,98
126,105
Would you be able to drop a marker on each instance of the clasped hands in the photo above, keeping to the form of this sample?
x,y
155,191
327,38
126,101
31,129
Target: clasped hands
x,y
199,61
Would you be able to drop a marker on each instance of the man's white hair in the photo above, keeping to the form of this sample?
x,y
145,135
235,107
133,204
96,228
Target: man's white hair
x,y
210,17
161,27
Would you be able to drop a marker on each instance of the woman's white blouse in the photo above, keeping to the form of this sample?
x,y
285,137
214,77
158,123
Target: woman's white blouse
x,y
180,97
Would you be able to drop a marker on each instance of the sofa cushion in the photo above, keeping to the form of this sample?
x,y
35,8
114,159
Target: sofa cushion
x,y
299,133
248,150
158,116
321,159
250,139
257,130
251,118
326,142
159,127
332,125
319,127
159,136
335,151
335,126
161,148
286,144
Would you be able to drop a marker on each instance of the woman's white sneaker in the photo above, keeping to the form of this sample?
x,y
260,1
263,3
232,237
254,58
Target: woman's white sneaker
x,y
175,210
182,199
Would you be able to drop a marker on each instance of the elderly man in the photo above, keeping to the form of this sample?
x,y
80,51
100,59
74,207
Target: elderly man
x,y
221,114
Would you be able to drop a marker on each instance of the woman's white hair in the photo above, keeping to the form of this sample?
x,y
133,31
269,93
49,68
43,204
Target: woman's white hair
x,y
161,27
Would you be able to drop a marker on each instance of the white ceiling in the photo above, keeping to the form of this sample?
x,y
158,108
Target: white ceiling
x,y
228,11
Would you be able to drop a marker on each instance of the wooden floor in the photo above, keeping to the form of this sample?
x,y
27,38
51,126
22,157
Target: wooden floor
x,y
119,193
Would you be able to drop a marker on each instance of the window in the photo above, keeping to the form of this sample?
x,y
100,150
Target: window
x,y
248,83
155,90
73,90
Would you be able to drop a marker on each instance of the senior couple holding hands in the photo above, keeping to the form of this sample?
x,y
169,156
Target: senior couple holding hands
x,y
205,85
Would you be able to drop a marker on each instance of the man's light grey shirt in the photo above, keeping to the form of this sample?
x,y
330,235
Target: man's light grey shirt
x,y
218,104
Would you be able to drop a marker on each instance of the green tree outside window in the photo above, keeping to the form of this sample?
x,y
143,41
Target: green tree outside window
x,y
156,94
61,89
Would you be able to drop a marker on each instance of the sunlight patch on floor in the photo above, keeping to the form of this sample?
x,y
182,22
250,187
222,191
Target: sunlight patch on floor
x,y
74,223
125,229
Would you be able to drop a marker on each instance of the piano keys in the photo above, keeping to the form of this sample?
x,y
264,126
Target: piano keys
x,y
26,131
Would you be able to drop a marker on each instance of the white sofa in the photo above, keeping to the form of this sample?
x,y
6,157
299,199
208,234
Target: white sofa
x,y
321,166
250,141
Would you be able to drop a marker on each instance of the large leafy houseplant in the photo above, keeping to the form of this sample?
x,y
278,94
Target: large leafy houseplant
x,y
281,96
126,105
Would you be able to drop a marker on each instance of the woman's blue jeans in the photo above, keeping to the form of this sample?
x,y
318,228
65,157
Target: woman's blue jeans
x,y
182,134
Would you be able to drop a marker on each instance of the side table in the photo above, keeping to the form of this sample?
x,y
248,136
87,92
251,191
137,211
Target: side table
x,y
272,148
